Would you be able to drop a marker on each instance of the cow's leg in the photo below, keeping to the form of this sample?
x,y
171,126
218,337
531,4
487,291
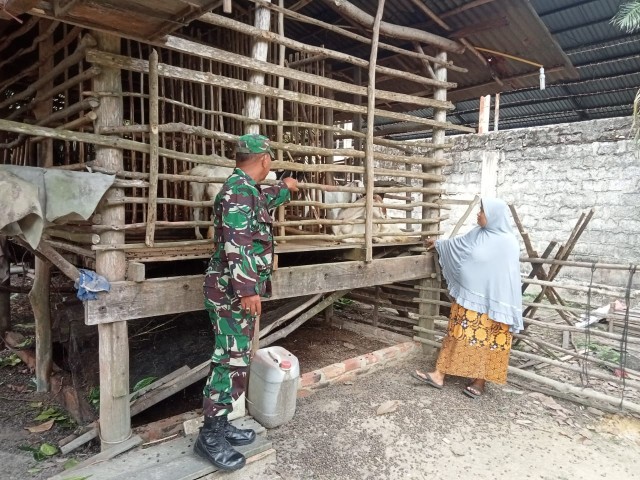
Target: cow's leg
x,y
197,192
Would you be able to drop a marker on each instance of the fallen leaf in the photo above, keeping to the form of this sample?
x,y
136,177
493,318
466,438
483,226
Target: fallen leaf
x,y
350,346
388,407
43,427
48,449
72,462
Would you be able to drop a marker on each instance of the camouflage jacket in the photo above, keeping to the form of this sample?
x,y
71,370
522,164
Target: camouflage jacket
x,y
242,260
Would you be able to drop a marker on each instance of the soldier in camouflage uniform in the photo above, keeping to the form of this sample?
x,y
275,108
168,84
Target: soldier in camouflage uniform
x,y
238,275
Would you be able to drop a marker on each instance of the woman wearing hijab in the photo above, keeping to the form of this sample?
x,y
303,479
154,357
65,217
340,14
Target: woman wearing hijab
x,y
482,270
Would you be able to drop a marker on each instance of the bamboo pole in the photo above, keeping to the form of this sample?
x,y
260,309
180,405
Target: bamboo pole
x,y
184,74
395,31
152,207
240,27
259,64
259,50
113,353
354,36
559,386
39,295
369,166
567,263
85,43
329,300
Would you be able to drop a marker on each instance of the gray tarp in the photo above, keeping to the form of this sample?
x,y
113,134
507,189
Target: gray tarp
x,y
31,197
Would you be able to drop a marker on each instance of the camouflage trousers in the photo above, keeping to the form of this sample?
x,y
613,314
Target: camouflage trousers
x,y
233,330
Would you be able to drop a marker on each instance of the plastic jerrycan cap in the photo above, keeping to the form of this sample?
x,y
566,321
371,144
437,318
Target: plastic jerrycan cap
x,y
285,365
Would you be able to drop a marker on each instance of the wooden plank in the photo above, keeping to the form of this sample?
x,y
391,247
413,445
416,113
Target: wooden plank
x,y
131,300
101,457
173,460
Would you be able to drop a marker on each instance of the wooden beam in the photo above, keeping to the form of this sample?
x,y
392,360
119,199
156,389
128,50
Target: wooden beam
x,y
154,115
483,114
259,51
368,147
180,73
132,300
396,31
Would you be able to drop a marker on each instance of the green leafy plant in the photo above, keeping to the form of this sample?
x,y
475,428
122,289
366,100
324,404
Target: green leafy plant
x,y
10,361
603,352
342,303
45,450
53,413
145,382
94,396
628,19
26,343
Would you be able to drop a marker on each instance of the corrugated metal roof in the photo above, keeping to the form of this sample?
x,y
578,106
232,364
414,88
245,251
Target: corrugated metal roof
x,y
607,61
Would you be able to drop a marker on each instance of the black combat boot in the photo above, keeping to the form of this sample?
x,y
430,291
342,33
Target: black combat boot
x,y
238,436
213,446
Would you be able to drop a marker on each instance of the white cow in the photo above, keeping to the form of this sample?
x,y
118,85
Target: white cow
x,y
208,191
341,197
358,214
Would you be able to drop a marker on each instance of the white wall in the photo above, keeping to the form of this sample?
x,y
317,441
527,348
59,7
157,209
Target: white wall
x,y
552,174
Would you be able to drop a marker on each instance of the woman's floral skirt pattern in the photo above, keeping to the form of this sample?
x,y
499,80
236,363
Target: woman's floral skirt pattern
x,y
475,346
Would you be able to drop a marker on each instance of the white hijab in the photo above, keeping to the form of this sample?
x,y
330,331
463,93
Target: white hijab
x,y
482,267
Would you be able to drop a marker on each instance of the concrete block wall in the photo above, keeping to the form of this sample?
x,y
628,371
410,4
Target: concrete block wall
x,y
552,174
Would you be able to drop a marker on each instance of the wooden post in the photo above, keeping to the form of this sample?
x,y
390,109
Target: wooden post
x,y
496,113
433,283
483,114
39,293
328,134
253,103
152,208
357,118
369,165
279,128
5,281
115,420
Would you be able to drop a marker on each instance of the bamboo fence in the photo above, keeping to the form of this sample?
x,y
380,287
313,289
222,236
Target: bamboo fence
x,y
185,100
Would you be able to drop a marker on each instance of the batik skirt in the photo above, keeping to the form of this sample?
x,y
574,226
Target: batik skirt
x,y
475,346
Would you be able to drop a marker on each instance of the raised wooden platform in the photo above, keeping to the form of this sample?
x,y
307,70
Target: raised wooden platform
x,y
174,460
130,300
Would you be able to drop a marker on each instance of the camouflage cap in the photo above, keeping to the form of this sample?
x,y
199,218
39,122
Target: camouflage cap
x,y
254,143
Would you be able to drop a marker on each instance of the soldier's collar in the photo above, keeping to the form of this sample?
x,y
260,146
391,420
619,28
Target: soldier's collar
x,y
248,179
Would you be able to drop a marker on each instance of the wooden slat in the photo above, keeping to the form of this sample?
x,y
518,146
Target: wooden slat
x,y
173,460
131,300
179,73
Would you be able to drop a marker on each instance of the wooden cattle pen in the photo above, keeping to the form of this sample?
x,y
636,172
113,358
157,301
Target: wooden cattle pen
x,y
147,98
143,92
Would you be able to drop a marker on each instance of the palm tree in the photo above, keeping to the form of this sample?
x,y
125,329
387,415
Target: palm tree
x,y
628,19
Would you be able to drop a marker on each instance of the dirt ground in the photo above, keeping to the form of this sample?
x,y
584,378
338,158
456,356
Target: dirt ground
x,y
444,435
157,348
337,432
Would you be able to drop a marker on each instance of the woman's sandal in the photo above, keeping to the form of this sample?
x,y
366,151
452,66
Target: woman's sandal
x,y
426,379
473,392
